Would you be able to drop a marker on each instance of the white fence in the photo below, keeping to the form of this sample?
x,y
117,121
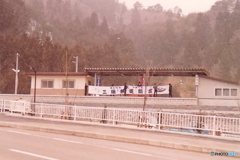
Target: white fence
x,y
192,123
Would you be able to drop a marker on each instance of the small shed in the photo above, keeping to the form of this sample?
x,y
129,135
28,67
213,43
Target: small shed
x,y
59,83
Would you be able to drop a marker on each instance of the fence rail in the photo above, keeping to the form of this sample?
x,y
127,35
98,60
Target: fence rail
x,y
192,123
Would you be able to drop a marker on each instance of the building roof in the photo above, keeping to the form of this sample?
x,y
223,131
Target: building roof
x,y
142,71
57,74
220,80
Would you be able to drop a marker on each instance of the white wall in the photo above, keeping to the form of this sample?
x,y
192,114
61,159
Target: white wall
x,y
206,88
206,93
57,81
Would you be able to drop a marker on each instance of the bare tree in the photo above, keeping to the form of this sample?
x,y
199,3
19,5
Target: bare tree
x,y
146,83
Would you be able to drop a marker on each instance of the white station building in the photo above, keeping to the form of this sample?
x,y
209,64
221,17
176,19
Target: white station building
x,y
209,90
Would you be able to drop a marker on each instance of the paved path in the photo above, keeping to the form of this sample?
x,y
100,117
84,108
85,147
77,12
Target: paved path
x,y
205,144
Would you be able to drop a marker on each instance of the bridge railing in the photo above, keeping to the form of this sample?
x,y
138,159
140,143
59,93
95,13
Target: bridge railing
x,y
181,122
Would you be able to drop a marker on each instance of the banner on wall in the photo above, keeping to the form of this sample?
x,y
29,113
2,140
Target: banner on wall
x,y
118,90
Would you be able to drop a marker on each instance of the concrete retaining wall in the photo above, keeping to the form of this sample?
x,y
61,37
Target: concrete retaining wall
x,y
103,100
156,103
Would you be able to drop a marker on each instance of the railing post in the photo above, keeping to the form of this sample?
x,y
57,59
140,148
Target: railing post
x,y
214,125
75,113
41,113
238,125
159,120
114,116
24,107
3,105
11,107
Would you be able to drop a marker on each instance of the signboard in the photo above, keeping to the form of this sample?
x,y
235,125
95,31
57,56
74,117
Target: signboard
x,y
118,90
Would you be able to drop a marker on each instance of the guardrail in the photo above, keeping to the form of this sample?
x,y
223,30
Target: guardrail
x,y
191,123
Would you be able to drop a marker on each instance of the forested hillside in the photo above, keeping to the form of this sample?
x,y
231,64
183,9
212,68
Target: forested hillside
x,y
209,40
104,33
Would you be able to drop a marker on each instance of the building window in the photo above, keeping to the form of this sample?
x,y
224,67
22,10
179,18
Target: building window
x,y
47,83
233,92
225,92
70,84
218,92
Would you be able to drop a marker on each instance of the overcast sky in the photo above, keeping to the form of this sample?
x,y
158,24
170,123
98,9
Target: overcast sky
x,y
187,6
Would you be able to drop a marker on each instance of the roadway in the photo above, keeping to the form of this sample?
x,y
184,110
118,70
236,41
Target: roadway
x,y
17,144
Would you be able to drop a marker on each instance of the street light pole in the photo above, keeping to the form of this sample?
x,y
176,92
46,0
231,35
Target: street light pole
x,y
76,62
35,82
16,75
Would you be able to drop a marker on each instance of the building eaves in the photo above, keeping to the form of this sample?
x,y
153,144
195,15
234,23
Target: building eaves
x,y
151,71
57,74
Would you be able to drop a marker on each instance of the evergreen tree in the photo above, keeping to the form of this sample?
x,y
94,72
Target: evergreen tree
x,y
203,31
123,9
155,8
104,27
136,17
137,6
93,21
124,47
237,6
234,18
13,17
6,15
191,53
158,8
39,6
222,21
67,12
49,10
225,60
170,45
76,10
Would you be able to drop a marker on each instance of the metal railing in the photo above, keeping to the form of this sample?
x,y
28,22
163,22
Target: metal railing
x,y
191,123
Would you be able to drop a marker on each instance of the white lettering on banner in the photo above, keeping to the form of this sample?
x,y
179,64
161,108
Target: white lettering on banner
x,y
117,90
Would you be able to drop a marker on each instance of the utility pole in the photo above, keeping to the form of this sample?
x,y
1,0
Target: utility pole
x,y
66,73
35,82
16,72
76,62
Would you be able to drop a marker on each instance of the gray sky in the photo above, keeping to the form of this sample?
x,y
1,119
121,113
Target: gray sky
x,y
187,6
